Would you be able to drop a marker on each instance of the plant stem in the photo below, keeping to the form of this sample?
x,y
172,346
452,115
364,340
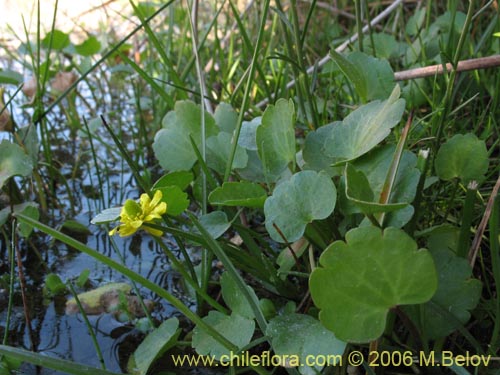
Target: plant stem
x,y
359,23
464,239
441,114
11,281
246,95
495,266
89,326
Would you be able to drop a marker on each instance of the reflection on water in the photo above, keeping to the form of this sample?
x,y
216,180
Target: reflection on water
x,y
66,336
79,196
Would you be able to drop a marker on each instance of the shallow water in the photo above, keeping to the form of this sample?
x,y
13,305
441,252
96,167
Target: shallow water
x,y
53,332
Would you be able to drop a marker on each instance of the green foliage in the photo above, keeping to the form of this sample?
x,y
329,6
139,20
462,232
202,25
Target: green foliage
x,y
457,293
219,149
56,39
370,84
307,196
374,166
358,191
54,285
177,201
88,47
10,77
275,138
154,345
13,162
236,328
358,133
274,220
182,179
172,143
215,223
233,297
365,276
242,193
310,338
464,157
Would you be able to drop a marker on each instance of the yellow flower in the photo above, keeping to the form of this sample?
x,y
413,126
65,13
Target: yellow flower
x,y
133,215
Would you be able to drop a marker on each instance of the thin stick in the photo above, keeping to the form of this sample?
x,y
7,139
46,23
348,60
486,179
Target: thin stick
x,y
462,66
482,225
340,48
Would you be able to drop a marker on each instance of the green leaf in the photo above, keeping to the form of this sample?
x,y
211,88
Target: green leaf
x,y
360,132
235,328
307,196
386,47
463,156
219,150
154,345
172,145
60,365
182,179
457,292
13,162
89,47
234,298
83,278
60,40
28,208
374,166
415,22
54,284
215,223
361,279
358,191
31,143
276,137
74,226
10,77
310,337
243,193
177,201
107,216
31,210
248,134
226,117
352,72
377,82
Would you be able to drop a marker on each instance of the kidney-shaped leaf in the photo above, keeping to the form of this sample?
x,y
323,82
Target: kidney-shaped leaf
x,y
219,150
215,223
276,137
311,338
243,193
362,278
373,83
357,134
89,47
234,298
177,200
457,293
235,328
172,145
13,161
56,39
307,196
463,156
